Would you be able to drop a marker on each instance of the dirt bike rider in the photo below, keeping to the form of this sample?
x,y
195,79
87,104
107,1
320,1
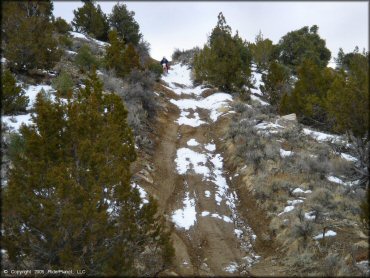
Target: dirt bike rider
x,y
165,61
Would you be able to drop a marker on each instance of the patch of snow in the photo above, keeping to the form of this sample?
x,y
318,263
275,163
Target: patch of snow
x,y
232,267
263,103
15,122
286,209
78,35
207,193
267,125
329,233
323,137
186,217
300,190
238,232
192,142
210,147
309,215
180,74
348,157
32,92
205,213
284,153
3,60
71,52
294,202
186,157
335,179
185,120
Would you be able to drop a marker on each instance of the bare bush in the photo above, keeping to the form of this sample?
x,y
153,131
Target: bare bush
x,y
333,265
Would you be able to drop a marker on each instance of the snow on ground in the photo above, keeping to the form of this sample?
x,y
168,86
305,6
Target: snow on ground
x,y
207,193
348,157
284,153
84,37
322,137
186,217
309,215
15,122
210,147
143,194
300,190
329,233
213,103
32,92
256,98
286,209
193,121
231,268
294,202
192,142
71,52
216,215
335,179
187,159
179,74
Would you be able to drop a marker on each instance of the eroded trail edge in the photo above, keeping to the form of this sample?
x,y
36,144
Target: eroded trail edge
x,y
210,236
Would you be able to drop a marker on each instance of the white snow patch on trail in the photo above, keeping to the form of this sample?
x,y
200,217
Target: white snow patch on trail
x,y
186,217
329,233
179,74
322,137
187,158
348,157
335,179
192,142
284,153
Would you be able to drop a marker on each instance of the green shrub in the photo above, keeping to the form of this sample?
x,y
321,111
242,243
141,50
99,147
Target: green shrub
x,y
13,98
63,83
85,60
61,26
156,69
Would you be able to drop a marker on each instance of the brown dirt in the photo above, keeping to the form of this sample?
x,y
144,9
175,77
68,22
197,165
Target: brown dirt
x,y
210,244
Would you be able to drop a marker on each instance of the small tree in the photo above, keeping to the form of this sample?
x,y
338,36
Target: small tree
x,y
123,21
71,183
61,26
90,19
13,98
262,52
85,60
225,60
302,44
63,83
276,83
27,34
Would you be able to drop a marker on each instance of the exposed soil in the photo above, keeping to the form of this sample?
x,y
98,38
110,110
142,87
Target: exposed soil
x,y
209,247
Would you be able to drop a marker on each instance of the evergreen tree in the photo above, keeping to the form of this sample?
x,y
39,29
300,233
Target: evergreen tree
x,y
122,20
63,83
263,52
27,34
348,98
13,98
61,26
114,53
225,60
276,83
308,97
131,59
71,183
91,20
302,44
85,60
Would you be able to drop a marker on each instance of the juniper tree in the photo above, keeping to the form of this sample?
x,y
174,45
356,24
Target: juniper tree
x,y
276,82
75,207
347,100
302,44
263,51
91,20
123,21
13,98
225,60
27,34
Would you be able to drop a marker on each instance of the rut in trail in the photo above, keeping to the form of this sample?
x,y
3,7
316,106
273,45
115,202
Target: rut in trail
x,y
210,237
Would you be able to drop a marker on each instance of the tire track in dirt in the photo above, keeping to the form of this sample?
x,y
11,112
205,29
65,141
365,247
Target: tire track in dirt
x,y
210,237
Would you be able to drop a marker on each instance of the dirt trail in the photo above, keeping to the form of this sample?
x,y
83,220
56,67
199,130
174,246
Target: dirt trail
x,y
210,237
